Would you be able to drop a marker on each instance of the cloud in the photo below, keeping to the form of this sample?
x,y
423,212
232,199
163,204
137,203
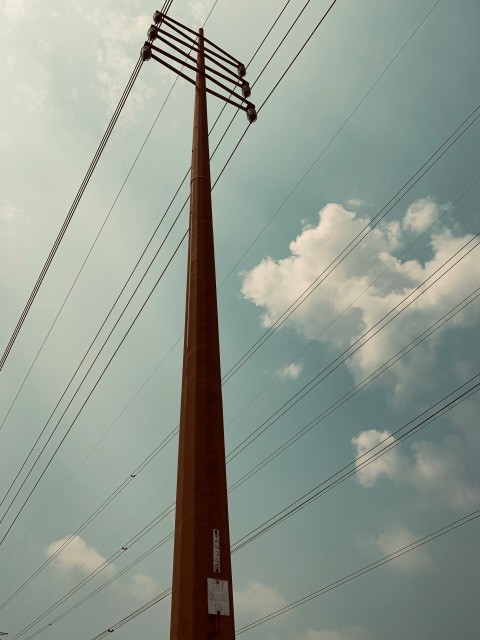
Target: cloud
x,y
292,371
14,10
432,470
395,537
118,33
274,285
391,464
78,556
356,202
199,10
420,215
143,587
355,632
259,599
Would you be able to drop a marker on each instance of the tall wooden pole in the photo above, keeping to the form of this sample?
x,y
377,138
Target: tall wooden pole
x,y
202,603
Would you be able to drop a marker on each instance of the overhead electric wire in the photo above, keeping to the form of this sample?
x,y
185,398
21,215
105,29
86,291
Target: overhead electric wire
x,y
72,286
373,565
298,504
121,292
359,572
368,228
92,390
107,317
354,467
392,556
395,261
438,324
72,211
329,143
172,434
349,351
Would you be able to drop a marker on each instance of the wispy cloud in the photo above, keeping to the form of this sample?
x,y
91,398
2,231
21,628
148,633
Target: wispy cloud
x,y
199,10
434,471
14,10
259,599
395,537
292,371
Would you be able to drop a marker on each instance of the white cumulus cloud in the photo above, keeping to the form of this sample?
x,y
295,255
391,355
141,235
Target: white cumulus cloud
x,y
274,285
432,470
397,536
78,555
259,599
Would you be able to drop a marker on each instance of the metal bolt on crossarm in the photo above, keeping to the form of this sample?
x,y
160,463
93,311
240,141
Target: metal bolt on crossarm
x,y
202,602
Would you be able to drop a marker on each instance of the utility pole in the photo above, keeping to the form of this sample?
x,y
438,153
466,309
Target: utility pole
x,y
202,598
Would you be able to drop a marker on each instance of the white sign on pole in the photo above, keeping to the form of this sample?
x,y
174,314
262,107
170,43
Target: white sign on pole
x,y
216,551
218,603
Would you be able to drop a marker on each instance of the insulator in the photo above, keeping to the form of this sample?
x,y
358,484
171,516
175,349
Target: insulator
x,y
252,114
157,17
246,91
146,52
152,33
241,70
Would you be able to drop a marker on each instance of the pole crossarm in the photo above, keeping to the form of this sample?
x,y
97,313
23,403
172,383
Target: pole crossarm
x,y
214,54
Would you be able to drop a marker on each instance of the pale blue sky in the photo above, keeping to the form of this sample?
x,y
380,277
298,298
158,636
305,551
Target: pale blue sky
x,y
65,65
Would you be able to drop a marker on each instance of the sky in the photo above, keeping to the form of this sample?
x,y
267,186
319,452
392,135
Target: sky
x,y
343,156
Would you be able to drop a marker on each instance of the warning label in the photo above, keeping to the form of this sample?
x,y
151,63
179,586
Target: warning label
x,y
218,597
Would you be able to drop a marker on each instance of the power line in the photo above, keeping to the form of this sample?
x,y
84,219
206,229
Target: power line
x,y
374,565
368,228
360,386
350,350
334,480
92,390
72,210
396,260
354,467
165,10
359,572
169,437
441,267
329,143
111,309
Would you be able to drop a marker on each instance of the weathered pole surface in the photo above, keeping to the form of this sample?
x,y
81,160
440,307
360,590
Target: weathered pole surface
x,y
202,604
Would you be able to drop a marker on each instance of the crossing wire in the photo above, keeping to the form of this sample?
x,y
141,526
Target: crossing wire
x,y
474,295
72,211
354,467
115,352
395,261
350,351
274,521
124,286
146,461
355,574
329,143
367,229
359,572
164,10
